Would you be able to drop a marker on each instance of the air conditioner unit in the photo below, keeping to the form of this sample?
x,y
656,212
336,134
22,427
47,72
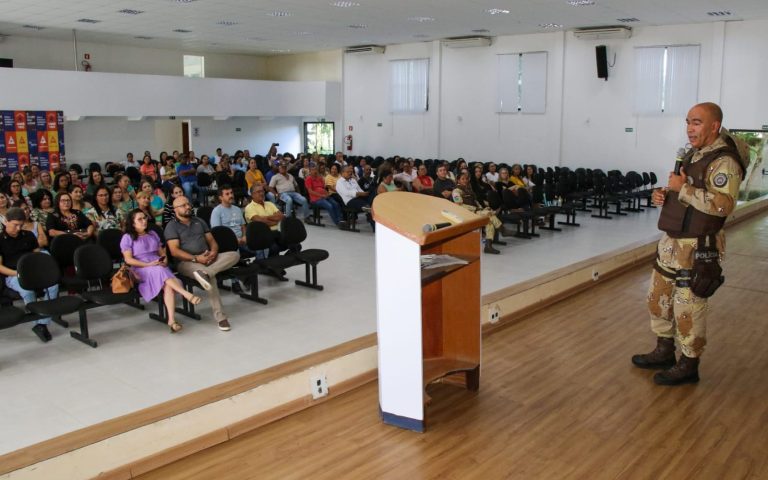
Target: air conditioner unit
x,y
365,50
466,42
599,33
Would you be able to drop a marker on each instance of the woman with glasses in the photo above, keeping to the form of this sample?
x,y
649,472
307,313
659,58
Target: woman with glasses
x,y
103,214
66,220
143,251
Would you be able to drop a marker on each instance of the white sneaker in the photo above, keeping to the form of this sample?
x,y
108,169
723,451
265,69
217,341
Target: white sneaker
x,y
203,279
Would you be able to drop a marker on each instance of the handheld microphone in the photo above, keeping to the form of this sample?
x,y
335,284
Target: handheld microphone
x,y
679,160
431,227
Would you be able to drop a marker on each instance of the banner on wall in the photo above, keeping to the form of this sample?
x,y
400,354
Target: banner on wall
x,y
28,138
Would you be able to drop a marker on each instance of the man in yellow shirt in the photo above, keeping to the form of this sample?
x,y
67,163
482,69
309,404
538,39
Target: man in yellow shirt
x,y
260,210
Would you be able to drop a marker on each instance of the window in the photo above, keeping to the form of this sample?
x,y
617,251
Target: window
x,y
409,85
667,79
318,137
194,66
522,83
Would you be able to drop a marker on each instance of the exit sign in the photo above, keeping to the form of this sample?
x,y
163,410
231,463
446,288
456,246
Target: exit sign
x,y
629,129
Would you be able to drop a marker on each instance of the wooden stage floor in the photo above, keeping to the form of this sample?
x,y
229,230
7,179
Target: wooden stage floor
x,y
558,398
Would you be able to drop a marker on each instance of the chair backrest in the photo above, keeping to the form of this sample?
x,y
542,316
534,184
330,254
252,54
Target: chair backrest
x,y
63,248
204,179
204,214
110,240
37,271
92,262
225,238
293,231
158,230
258,236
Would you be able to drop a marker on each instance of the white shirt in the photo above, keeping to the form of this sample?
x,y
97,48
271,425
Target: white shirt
x,y
347,189
492,178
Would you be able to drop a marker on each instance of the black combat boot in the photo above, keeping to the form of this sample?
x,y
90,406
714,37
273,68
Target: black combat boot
x,y
663,356
686,371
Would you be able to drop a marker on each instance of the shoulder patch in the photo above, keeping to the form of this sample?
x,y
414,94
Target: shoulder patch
x,y
720,180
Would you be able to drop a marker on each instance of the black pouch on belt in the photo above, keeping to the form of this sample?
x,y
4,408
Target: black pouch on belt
x,y
706,274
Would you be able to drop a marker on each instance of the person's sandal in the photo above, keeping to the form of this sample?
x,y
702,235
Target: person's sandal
x,y
175,327
194,300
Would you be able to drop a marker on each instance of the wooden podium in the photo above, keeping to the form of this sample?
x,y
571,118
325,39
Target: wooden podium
x,y
428,321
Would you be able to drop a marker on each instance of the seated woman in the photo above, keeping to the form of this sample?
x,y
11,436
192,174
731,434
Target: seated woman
x,y
464,196
148,169
95,180
4,206
514,196
479,186
35,227
42,205
15,193
103,214
168,212
253,175
61,183
156,198
423,183
386,180
46,182
143,251
77,199
144,201
66,220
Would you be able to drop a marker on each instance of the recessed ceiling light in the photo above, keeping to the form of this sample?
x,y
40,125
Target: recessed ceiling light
x,y
185,1
496,11
301,34
723,13
550,25
358,25
581,3
420,35
181,30
128,11
226,23
279,13
481,30
279,50
342,4
34,27
421,19
88,20
256,39
628,20
143,37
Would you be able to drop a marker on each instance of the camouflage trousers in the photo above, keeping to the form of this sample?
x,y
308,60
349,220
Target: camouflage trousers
x,y
675,311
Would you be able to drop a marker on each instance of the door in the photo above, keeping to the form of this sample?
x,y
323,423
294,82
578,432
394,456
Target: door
x,y
318,137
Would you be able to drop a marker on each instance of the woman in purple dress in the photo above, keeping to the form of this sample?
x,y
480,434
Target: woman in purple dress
x,y
144,252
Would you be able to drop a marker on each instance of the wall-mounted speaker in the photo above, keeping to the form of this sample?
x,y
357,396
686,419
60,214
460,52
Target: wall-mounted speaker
x,y
601,55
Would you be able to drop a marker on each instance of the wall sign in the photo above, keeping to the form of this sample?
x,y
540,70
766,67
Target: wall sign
x,y
27,138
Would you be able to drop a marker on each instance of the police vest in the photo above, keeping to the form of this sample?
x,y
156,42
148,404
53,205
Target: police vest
x,y
681,221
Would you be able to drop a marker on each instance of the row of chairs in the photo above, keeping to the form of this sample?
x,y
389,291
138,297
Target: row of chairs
x,y
86,269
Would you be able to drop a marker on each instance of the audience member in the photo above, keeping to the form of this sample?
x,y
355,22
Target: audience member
x,y
479,186
168,172
144,204
491,176
104,215
4,206
143,250
188,177
156,196
386,180
148,169
45,181
95,180
193,246
30,182
354,197
423,183
61,183
228,215
129,161
168,210
42,206
464,196
66,220
254,175
78,203
260,210
14,243
443,186
319,196
74,179
205,166
367,180
284,186
406,176
33,227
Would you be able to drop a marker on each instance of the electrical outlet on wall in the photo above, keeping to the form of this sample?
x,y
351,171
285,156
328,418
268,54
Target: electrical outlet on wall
x,y
319,386
494,313
595,275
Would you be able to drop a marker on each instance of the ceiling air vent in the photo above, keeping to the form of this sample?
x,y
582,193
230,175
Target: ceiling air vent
x,y
600,33
365,50
466,42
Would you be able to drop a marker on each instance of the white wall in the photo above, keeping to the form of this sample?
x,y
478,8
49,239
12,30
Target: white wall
x,y
325,65
102,139
586,117
30,52
366,104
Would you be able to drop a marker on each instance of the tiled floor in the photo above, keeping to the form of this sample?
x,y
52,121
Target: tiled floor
x,y
48,390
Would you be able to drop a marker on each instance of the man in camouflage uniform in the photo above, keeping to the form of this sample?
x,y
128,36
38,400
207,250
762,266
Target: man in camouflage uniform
x,y
696,203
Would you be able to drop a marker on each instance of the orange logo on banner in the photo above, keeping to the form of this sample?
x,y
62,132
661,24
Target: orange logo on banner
x,y
10,142
21,142
50,119
53,161
20,118
53,141
42,141
23,160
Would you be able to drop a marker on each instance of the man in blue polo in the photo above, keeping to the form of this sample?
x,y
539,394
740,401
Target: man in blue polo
x,y
188,177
